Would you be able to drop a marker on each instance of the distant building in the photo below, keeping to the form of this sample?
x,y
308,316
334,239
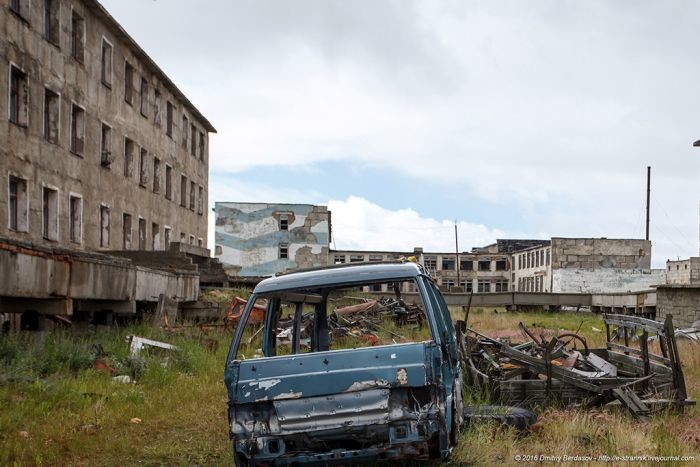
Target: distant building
x,y
683,272
261,239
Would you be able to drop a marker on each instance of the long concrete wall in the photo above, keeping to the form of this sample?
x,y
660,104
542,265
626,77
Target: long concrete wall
x,y
605,280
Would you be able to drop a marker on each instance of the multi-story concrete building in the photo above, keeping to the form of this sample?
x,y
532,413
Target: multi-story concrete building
x,y
683,272
100,150
261,239
587,265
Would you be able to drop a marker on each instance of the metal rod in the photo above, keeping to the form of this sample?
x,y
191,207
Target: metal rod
x,y
457,254
648,196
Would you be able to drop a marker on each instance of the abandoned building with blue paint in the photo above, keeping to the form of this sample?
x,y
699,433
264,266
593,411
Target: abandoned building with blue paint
x,y
261,239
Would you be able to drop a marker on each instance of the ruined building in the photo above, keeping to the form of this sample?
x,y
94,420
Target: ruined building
x,y
99,152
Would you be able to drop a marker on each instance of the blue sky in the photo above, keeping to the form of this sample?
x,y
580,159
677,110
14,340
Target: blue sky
x,y
516,119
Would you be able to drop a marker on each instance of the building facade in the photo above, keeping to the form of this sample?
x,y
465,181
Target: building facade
x,y
100,150
261,239
683,272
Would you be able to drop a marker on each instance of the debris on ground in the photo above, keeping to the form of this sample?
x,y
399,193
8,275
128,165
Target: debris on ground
x,y
126,379
235,312
516,417
562,369
137,343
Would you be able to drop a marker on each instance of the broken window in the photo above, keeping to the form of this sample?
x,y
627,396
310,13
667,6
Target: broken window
x,y
77,37
547,257
537,259
129,148
185,129
106,63
284,250
156,175
21,8
448,283
191,239
155,236
192,194
168,182
501,285
200,242
143,168
17,206
200,204
142,233
183,236
376,258
201,146
166,236
77,129
19,97
169,119
339,259
484,265
466,285
466,265
193,138
126,231
501,264
128,83
75,226
144,97
529,260
50,214
357,258
104,227
157,102
51,116
542,257
51,21
284,222
106,157
430,262
483,286
183,191
520,261
448,264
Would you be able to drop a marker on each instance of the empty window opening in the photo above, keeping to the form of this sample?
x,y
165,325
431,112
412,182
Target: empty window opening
x,y
129,148
501,265
144,97
547,258
192,195
284,222
17,206
51,20
128,83
284,251
484,265
142,233
19,97
376,258
169,111
200,201
21,8
466,285
201,146
193,132
143,168
155,236
50,214
183,237
183,191
484,286
466,265
51,116
157,103
537,259
200,242
168,182
77,37
75,226
357,258
448,264
501,285
185,130
106,63
104,227
126,231
339,259
106,157
156,175
166,236
77,130
191,239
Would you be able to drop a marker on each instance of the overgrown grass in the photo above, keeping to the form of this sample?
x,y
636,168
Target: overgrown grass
x,y
57,409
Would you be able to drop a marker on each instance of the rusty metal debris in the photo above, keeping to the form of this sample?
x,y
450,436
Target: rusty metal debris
x,y
235,309
564,370
137,343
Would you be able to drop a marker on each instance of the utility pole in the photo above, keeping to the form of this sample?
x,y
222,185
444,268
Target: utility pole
x,y
457,253
648,197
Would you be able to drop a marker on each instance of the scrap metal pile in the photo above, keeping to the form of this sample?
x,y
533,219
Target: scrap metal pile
x,y
564,370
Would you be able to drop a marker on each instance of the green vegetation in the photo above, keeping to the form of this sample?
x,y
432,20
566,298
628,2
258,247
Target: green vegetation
x,y
57,409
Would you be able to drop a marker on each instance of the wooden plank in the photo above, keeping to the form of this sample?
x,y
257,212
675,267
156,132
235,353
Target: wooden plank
x,y
637,352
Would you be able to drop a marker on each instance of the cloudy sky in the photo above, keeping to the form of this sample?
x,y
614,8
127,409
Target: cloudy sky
x,y
517,119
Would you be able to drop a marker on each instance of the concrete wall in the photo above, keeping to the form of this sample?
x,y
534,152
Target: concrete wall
x,y
685,272
25,152
605,280
683,302
594,253
250,237
532,270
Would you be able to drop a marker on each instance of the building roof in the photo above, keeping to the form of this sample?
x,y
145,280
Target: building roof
x,y
339,275
95,7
